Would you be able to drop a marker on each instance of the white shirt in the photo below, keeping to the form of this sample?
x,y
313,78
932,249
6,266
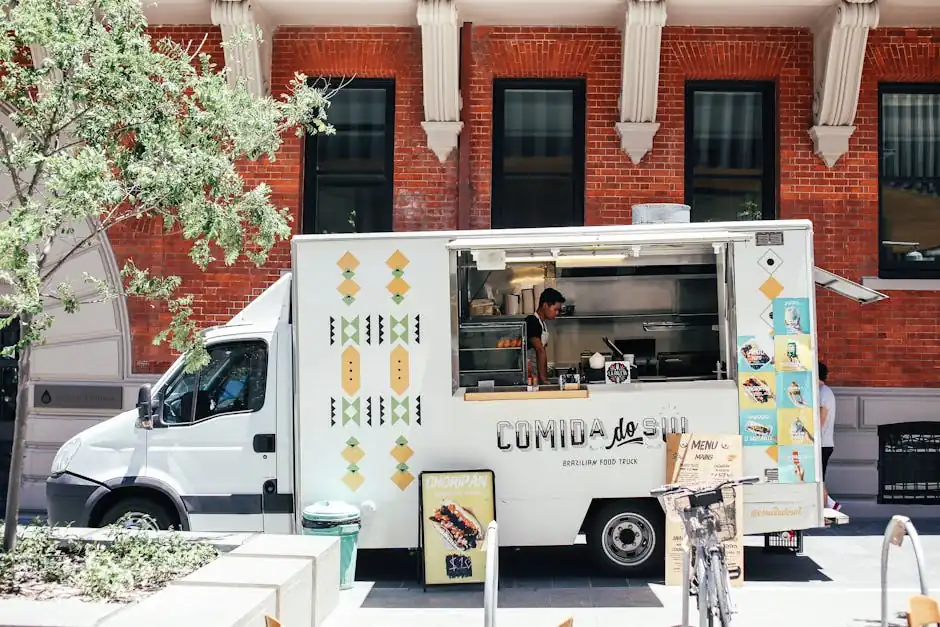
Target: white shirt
x,y
827,400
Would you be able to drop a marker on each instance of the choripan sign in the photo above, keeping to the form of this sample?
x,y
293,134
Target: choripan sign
x,y
381,356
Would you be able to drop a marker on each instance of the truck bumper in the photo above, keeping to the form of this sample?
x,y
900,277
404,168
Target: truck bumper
x,y
69,499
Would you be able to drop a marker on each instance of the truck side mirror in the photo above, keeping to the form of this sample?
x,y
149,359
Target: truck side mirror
x,y
146,414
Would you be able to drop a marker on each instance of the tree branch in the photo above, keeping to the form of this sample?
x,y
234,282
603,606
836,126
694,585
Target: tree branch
x,y
8,162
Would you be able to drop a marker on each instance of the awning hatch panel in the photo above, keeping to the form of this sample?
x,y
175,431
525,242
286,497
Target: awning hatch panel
x,y
587,241
844,287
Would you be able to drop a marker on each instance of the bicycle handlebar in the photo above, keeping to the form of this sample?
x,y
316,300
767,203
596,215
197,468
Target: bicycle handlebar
x,y
675,487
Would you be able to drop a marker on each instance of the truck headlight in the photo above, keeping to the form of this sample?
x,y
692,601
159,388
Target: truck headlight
x,y
65,455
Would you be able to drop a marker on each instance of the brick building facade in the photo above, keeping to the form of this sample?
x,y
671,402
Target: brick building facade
x,y
883,358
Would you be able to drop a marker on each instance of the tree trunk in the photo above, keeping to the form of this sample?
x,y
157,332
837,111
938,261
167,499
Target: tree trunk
x,y
11,517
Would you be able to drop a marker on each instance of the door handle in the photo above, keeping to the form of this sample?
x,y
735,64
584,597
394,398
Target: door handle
x,y
263,443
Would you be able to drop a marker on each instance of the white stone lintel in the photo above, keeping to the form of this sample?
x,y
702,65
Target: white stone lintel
x,y
831,142
639,79
440,52
442,137
636,138
247,55
839,43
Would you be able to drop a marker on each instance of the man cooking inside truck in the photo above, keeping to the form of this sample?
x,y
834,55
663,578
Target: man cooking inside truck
x,y
550,303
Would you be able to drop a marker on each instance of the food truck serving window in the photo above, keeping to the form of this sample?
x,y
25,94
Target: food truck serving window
x,y
658,304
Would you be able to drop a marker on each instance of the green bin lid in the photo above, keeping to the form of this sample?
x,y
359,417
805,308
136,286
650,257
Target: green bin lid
x,y
331,511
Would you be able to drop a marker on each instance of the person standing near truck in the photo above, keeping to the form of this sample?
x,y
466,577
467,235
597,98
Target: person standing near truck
x,y
827,427
550,303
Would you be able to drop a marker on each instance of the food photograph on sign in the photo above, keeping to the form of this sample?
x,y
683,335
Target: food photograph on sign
x,y
791,316
752,357
795,426
758,427
797,464
794,353
757,390
456,508
794,390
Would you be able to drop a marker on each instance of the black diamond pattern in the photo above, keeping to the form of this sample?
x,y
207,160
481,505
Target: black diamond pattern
x,y
332,331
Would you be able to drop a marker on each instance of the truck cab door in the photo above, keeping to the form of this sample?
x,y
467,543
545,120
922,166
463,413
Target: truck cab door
x,y
215,444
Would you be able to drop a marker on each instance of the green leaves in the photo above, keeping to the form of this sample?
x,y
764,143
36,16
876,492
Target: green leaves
x,y
130,564
112,126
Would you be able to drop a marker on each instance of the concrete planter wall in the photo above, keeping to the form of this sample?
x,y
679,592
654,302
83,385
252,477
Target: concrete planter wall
x,y
292,578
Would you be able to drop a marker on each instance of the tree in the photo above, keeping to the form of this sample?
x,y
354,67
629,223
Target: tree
x,y
112,126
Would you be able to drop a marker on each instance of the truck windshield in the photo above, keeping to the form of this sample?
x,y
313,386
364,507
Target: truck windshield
x,y
234,380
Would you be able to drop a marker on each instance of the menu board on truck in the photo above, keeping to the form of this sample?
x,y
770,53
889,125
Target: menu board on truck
x,y
701,461
455,510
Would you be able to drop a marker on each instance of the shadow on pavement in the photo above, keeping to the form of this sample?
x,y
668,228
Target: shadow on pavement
x,y
547,577
876,527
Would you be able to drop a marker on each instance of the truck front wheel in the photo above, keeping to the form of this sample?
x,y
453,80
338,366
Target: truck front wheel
x,y
138,513
626,538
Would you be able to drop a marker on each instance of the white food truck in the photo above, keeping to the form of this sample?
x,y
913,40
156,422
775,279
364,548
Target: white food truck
x,y
384,355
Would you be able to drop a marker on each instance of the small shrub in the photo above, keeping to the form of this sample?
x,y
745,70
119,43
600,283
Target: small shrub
x,y
133,563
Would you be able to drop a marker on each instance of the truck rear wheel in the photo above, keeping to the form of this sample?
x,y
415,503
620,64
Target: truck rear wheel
x,y
138,513
627,538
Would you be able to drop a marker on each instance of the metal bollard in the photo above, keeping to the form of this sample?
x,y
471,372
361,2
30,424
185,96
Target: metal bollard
x,y
898,527
491,583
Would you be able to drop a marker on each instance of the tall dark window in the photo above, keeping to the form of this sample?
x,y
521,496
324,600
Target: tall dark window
x,y
538,153
348,176
909,181
730,150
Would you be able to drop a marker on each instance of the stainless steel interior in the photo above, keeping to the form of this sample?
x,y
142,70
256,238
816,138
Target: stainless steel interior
x,y
671,311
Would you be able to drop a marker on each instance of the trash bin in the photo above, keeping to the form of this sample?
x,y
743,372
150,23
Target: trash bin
x,y
342,520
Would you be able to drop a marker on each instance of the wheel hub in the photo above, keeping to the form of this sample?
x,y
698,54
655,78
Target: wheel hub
x,y
628,539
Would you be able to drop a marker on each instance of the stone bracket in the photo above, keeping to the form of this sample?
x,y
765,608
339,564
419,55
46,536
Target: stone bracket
x,y
639,81
831,142
636,138
839,55
440,51
442,137
246,56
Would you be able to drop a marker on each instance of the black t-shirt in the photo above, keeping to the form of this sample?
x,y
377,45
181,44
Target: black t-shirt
x,y
533,327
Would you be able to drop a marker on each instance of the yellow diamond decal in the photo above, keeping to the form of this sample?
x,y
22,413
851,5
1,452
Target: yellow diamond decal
x,y
398,286
348,287
353,454
353,480
350,372
399,370
771,288
402,479
397,261
348,262
402,453
772,453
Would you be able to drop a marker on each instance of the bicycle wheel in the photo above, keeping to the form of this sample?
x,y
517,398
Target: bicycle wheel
x,y
722,583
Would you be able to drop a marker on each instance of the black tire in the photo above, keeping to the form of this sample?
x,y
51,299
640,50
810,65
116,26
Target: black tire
x,y
627,538
138,507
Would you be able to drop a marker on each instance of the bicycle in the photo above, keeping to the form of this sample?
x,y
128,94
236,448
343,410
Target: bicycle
x,y
708,516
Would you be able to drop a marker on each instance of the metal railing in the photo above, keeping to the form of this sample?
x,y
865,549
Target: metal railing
x,y
898,527
491,583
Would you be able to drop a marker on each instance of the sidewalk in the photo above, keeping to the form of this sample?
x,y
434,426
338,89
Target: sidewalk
x,y
825,606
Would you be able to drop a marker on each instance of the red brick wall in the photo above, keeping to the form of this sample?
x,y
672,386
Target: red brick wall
x,y
860,344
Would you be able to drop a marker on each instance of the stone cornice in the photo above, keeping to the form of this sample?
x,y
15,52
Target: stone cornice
x,y
639,87
440,50
839,54
249,58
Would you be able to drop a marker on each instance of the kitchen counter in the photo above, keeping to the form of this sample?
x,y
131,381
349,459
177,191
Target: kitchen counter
x,y
522,393
547,392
